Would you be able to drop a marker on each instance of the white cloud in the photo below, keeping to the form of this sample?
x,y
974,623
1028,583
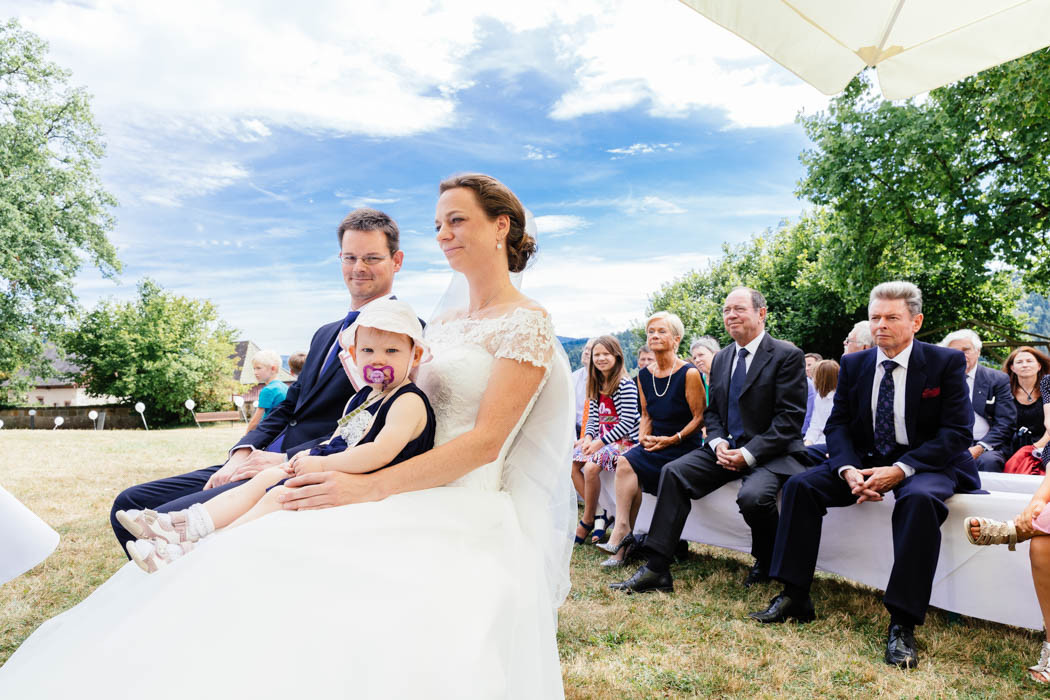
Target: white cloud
x,y
666,56
559,225
655,205
641,148
536,153
588,294
357,202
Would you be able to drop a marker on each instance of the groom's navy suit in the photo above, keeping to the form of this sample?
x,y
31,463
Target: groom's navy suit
x,y
305,418
938,419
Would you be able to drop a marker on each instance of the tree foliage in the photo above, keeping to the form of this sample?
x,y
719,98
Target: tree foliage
x,y
797,266
160,349
785,265
957,185
54,212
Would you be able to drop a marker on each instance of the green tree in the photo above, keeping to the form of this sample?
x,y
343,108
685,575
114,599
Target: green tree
x,y
784,264
953,188
160,349
54,212
798,268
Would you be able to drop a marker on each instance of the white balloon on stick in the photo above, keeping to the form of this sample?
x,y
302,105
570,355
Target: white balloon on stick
x,y
141,408
190,405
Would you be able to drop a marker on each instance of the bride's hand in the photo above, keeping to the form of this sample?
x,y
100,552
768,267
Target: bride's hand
x,y
326,490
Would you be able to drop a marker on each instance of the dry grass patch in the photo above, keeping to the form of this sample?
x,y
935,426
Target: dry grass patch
x,y
696,642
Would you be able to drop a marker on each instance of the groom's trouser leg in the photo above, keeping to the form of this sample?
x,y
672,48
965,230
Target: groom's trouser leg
x,y
165,495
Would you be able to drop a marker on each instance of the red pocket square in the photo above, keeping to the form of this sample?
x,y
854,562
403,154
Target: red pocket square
x,y
930,393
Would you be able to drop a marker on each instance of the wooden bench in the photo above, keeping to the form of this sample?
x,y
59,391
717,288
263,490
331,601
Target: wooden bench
x,y
216,416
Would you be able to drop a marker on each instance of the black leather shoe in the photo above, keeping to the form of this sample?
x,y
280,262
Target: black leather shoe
x,y
759,574
783,608
900,647
645,580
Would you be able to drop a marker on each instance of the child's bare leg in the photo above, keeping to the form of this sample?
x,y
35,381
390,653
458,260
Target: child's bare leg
x,y
228,506
264,506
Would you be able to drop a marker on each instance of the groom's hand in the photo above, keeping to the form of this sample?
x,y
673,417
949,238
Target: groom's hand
x,y
255,463
326,490
224,474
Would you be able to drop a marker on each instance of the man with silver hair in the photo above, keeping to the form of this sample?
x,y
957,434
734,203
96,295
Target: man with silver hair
x,y
901,422
754,435
994,413
858,339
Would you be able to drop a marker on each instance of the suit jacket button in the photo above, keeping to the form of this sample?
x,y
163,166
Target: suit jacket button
x,y
292,422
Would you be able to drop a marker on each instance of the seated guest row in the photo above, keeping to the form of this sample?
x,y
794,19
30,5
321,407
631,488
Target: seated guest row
x,y
1029,373
901,420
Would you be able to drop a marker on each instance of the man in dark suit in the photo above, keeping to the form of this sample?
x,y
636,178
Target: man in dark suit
x,y
369,254
754,429
994,413
901,421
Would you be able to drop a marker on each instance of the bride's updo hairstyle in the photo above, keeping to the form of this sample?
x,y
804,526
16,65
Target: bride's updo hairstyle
x,y
495,199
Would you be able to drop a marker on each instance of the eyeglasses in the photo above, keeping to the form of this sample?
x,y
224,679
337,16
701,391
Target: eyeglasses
x,y
370,260
847,341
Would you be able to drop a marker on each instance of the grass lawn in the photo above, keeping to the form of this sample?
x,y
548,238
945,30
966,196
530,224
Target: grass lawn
x,y
696,642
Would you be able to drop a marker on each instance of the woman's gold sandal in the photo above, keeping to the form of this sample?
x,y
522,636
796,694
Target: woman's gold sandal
x,y
992,532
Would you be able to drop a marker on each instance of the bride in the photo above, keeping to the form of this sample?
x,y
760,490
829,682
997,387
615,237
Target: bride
x,y
443,577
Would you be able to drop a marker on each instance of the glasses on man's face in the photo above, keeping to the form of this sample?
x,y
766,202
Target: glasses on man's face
x,y
351,260
847,341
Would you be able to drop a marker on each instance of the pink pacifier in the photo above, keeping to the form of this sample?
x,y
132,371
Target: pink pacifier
x,y
374,374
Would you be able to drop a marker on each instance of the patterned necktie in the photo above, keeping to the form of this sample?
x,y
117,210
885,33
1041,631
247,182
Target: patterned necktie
x,y
885,432
350,318
736,385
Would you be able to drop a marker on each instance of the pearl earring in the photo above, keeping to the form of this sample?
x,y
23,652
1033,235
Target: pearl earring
x,y
499,246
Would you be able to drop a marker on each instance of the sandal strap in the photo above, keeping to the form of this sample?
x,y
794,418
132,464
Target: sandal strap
x,y
994,532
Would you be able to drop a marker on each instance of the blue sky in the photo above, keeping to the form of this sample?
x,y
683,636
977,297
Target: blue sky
x,y
640,135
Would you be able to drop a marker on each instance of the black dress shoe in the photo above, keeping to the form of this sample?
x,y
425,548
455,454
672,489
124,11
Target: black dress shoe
x,y
759,574
645,580
784,607
900,647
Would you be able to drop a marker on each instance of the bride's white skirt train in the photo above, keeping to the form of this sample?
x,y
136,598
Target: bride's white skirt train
x,y
428,594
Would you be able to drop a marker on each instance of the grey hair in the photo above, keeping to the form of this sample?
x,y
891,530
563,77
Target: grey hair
x,y
757,300
673,323
365,219
704,341
862,333
905,291
964,334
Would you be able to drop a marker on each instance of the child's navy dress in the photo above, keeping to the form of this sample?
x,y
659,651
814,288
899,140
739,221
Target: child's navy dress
x,y
421,444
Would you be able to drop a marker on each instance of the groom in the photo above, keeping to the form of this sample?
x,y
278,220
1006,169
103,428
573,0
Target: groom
x,y
369,255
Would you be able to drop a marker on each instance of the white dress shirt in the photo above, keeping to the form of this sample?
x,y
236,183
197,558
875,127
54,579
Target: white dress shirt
x,y
822,406
980,425
900,383
579,380
752,347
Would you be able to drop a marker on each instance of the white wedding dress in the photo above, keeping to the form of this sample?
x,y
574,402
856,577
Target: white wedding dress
x,y
448,592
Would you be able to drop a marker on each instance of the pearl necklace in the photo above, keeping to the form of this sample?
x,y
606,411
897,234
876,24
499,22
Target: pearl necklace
x,y
666,386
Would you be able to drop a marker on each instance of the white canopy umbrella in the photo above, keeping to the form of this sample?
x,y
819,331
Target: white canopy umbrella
x,y
916,45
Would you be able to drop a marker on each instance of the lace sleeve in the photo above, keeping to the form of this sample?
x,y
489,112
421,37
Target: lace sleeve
x,y
528,336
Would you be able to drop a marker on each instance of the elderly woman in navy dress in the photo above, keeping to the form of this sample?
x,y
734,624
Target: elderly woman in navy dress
x,y
672,400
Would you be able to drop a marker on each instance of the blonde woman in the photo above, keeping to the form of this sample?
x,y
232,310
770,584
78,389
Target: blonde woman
x,y
672,400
